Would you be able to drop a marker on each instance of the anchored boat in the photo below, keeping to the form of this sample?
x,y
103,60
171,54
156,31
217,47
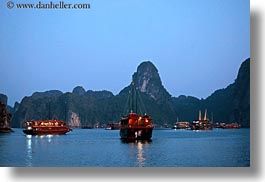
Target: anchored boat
x,y
135,126
46,127
113,126
202,124
231,126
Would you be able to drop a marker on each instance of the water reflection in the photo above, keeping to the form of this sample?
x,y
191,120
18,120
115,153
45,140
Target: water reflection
x,y
29,150
138,150
49,138
140,156
136,141
36,139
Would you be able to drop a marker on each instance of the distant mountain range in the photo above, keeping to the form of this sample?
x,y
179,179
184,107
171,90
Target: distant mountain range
x,y
87,108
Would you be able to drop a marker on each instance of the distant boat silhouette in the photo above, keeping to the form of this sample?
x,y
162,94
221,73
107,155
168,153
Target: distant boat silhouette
x,y
202,124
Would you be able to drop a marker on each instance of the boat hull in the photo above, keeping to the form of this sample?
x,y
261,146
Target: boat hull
x,y
52,131
203,128
46,127
201,125
136,133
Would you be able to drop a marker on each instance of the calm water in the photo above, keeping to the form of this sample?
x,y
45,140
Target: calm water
x,y
103,148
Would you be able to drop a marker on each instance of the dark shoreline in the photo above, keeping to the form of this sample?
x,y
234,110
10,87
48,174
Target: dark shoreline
x,y
6,130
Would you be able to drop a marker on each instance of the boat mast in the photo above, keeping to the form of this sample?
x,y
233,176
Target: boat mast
x,y
49,106
132,92
200,115
205,115
135,100
65,111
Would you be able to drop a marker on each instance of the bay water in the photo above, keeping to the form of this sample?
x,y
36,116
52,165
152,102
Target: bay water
x,y
103,148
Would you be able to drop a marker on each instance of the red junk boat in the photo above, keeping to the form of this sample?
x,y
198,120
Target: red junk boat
x,y
46,127
135,126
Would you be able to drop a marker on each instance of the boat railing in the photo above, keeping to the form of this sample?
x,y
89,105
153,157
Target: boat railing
x,y
138,126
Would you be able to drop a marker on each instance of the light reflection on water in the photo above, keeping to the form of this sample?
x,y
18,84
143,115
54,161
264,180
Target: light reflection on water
x,y
103,148
30,145
49,138
138,149
140,156
29,150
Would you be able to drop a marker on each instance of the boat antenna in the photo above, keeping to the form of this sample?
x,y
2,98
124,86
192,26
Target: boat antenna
x,y
65,111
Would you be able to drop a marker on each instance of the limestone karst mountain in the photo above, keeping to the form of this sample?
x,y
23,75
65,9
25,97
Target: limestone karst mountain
x,y
231,104
5,115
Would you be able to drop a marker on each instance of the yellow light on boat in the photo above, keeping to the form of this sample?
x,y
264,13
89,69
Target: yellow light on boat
x,y
146,120
140,118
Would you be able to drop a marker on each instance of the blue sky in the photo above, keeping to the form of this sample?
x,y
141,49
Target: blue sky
x,y
197,46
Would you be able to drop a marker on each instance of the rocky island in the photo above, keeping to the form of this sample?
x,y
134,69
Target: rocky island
x,y
5,116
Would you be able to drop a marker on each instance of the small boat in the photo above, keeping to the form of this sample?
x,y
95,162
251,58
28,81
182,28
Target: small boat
x,y
227,125
113,126
46,127
135,126
219,125
181,125
231,126
202,124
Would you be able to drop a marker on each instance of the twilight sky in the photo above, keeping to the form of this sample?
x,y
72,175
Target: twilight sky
x,y
196,45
